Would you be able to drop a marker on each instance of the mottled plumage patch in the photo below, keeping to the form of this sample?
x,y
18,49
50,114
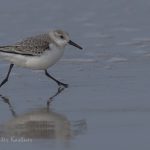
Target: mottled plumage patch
x,y
32,46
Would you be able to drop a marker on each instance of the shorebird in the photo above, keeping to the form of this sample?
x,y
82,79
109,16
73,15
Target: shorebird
x,y
37,52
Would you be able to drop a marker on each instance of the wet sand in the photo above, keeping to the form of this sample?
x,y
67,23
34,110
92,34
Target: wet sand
x,y
107,103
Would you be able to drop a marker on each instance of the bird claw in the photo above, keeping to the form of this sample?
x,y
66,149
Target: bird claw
x,y
63,85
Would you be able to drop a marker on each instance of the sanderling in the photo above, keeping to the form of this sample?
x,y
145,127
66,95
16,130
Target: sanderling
x,y
37,52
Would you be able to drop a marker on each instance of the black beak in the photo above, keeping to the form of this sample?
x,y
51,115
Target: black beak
x,y
74,44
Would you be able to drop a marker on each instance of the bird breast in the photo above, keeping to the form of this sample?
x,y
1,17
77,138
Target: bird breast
x,y
45,60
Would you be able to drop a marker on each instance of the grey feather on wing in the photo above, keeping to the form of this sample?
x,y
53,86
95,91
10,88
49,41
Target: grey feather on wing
x,y
30,46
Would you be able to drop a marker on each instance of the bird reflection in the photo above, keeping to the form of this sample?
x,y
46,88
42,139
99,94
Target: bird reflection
x,y
60,89
40,123
7,101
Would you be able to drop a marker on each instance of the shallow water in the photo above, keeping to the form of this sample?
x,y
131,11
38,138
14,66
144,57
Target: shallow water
x,y
107,103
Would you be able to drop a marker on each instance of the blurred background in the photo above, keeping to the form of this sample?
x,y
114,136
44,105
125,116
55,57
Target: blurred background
x,y
108,102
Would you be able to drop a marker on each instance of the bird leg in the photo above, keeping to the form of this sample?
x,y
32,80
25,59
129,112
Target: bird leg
x,y
58,82
6,79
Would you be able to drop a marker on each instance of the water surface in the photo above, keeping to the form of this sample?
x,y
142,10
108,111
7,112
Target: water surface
x,y
107,104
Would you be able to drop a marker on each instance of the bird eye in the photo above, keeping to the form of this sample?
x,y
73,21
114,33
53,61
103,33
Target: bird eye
x,y
61,36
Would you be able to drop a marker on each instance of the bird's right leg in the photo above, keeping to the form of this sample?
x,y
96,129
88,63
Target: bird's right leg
x,y
58,82
6,79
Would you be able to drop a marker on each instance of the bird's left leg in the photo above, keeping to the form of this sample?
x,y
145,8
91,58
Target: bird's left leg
x,y
6,79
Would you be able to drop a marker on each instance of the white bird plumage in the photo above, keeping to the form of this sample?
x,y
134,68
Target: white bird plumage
x,y
37,52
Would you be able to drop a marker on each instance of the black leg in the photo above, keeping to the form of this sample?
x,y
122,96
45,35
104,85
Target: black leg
x,y
6,79
58,82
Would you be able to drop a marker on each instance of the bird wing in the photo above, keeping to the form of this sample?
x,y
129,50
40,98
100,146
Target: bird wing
x,y
32,46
